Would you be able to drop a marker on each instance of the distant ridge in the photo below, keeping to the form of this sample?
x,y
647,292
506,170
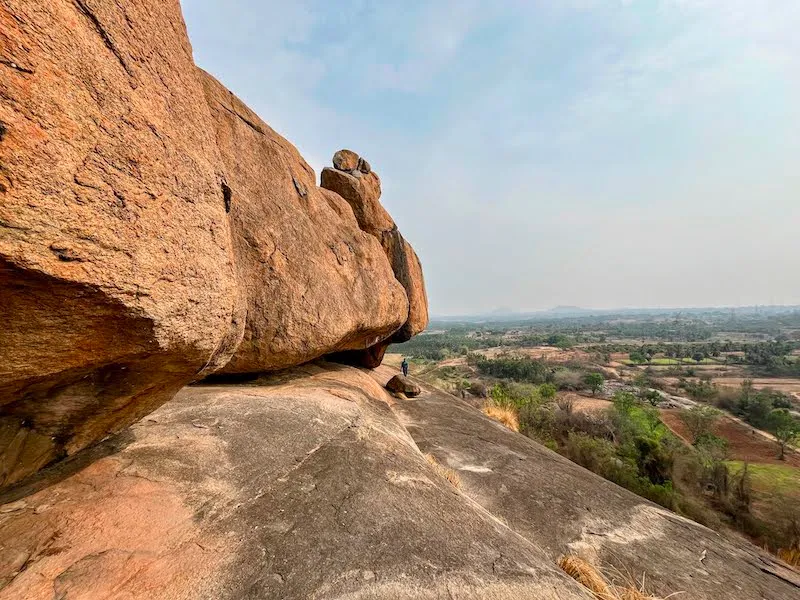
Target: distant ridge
x,y
566,311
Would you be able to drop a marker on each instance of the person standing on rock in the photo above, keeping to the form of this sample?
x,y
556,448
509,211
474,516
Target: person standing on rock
x,y
404,366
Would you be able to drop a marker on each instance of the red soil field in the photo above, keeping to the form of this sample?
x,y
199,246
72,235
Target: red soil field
x,y
744,442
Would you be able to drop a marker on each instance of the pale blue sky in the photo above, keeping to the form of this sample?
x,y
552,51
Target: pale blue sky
x,y
600,153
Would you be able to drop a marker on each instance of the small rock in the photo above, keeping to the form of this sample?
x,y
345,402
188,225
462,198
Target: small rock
x,y
403,385
346,160
363,166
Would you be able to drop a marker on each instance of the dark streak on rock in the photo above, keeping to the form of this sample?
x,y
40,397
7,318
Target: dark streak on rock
x,y
81,4
227,195
301,189
65,254
13,65
247,121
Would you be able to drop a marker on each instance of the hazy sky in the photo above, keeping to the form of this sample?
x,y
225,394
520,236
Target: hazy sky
x,y
600,153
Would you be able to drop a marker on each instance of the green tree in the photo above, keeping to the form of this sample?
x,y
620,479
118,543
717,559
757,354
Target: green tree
x,y
637,357
699,420
651,396
624,402
786,429
595,382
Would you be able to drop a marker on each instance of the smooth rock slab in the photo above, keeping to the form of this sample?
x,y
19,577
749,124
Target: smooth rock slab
x,y
566,509
304,485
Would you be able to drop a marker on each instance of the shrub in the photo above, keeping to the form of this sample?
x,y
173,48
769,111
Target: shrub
x,y
566,404
537,421
568,380
547,391
515,395
505,415
477,388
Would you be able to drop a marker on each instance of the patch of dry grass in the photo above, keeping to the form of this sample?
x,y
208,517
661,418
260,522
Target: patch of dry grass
x,y
449,474
586,575
507,416
591,578
790,556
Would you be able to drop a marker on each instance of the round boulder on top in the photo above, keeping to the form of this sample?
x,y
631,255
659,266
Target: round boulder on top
x,y
346,160
403,385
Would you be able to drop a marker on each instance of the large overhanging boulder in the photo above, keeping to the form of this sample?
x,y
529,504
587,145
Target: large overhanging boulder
x,y
116,274
353,179
314,282
152,228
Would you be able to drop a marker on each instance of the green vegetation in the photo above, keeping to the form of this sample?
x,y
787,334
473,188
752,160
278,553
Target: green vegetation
x,y
595,381
699,420
439,346
628,443
779,479
514,368
786,429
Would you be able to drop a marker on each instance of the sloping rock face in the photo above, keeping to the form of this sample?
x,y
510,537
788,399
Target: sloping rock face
x,y
353,179
314,282
191,503
153,230
565,509
116,277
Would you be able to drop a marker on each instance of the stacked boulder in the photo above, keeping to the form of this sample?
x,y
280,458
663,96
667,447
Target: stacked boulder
x,y
352,178
154,230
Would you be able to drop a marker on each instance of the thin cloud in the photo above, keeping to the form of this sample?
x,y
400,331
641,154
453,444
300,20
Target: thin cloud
x,y
536,153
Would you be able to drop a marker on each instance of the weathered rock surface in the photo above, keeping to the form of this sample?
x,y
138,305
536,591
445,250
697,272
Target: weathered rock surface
x,y
314,282
154,230
361,187
565,509
116,277
346,160
312,484
301,486
403,385
363,193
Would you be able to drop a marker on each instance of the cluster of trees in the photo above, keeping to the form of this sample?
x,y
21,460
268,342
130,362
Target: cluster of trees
x,y
440,346
628,444
772,354
534,371
518,369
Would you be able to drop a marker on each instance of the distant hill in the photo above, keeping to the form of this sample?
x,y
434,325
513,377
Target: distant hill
x,y
566,311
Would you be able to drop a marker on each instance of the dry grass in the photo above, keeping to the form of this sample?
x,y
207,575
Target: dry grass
x,y
507,416
790,556
587,576
590,578
449,474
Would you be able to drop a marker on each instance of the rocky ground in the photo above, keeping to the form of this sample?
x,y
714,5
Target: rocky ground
x,y
314,484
